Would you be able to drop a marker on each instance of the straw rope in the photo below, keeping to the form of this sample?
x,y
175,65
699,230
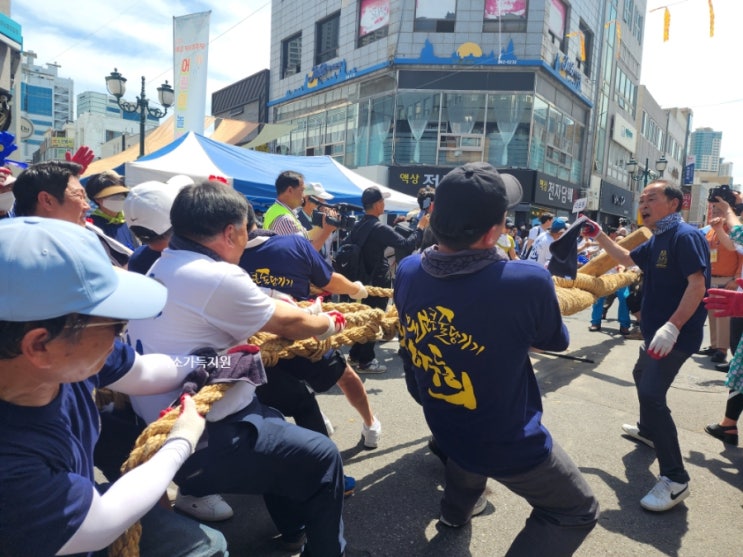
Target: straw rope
x,y
364,324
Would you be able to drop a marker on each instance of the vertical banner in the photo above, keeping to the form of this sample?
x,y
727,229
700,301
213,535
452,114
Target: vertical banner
x,y
190,62
689,170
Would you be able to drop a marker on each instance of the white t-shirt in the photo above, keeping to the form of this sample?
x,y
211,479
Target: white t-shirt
x,y
210,304
540,251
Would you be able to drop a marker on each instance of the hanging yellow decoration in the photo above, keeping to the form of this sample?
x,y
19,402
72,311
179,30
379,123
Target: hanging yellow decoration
x,y
711,19
666,24
582,43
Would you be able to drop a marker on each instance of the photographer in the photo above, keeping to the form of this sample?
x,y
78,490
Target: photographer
x,y
405,226
314,195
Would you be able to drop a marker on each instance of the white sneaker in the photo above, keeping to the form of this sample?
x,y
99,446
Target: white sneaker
x,y
372,434
634,432
212,508
480,506
328,424
665,495
372,367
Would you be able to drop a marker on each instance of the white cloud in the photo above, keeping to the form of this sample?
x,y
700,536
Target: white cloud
x,y
90,38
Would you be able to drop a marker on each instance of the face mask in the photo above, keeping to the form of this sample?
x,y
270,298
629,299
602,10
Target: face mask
x,y
113,205
6,201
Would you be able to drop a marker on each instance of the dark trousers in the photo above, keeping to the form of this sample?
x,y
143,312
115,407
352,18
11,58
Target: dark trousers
x,y
363,352
653,378
298,472
564,507
292,397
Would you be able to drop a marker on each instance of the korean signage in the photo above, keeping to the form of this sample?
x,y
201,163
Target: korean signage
x,y
551,192
409,179
190,63
624,133
689,169
616,200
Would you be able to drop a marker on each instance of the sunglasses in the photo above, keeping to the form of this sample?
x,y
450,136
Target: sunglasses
x,y
118,326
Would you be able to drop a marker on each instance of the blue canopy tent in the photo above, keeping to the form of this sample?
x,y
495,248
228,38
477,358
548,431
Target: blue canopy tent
x,y
254,173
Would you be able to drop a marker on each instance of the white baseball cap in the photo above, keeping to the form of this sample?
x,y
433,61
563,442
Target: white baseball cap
x,y
148,205
315,189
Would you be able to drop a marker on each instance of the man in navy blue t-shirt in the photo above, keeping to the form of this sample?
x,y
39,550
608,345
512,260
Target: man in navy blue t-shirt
x,y
675,264
471,372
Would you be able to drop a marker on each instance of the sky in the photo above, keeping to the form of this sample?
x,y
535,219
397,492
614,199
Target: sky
x,y
689,70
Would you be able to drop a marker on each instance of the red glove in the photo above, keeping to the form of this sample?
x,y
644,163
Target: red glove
x,y
83,156
725,303
591,229
336,323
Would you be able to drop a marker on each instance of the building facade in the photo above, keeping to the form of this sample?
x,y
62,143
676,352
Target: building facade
x,y
11,45
705,146
104,127
404,90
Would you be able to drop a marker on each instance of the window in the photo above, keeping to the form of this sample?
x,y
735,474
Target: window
x,y
374,19
587,47
291,55
557,17
437,16
326,33
504,16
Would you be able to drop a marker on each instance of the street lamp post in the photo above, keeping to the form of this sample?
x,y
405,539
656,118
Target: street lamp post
x,y
637,175
116,85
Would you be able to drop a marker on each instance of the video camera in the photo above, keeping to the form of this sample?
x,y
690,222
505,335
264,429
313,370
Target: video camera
x,y
344,221
723,192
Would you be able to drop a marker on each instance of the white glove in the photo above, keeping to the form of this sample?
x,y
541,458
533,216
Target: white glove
x,y
336,323
663,341
189,425
278,295
315,308
233,400
361,293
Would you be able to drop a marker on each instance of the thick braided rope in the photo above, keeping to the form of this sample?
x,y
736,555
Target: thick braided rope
x,y
147,444
364,324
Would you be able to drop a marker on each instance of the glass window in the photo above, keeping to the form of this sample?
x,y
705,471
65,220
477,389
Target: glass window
x,y
374,19
507,129
556,19
587,48
416,127
327,32
372,141
505,16
291,55
436,16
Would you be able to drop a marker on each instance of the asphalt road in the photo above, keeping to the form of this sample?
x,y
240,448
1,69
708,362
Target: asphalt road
x,y
396,506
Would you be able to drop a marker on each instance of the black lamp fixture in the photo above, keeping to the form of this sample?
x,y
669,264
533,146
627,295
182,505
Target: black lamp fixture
x,y
642,175
116,85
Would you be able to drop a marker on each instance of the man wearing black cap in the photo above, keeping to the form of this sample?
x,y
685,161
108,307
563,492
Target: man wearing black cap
x,y
376,265
472,373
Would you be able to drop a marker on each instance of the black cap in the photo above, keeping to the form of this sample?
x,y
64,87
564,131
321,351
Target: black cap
x,y
372,195
105,184
472,198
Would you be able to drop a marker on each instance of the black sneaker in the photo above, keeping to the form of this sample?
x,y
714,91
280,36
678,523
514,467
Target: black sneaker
x,y
719,357
707,351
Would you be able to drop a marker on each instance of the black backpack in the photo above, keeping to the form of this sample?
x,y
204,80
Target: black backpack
x,y
348,260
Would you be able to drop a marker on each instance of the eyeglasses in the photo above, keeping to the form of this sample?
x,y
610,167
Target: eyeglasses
x,y
118,326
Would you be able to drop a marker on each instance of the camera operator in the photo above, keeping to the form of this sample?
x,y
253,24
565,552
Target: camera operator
x,y
377,266
314,192
280,216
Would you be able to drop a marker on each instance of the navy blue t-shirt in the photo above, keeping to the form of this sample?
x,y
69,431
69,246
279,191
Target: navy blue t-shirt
x,y
46,463
288,264
667,260
142,259
464,341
